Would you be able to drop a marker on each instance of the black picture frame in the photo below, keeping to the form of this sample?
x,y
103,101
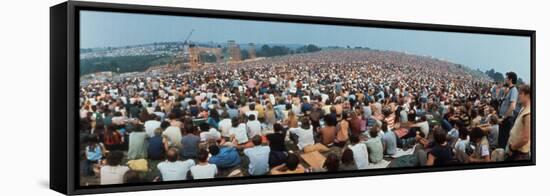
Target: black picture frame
x,y
64,69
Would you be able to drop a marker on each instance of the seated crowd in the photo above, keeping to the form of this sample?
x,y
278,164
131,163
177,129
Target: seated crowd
x,y
299,115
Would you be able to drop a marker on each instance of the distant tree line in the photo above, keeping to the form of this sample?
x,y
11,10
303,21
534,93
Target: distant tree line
x,y
124,64
499,77
85,50
495,75
121,63
270,51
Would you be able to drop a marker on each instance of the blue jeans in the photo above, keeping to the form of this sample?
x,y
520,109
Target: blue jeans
x,y
504,132
446,125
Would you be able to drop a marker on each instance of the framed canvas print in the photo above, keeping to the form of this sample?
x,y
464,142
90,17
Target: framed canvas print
x,y
146,97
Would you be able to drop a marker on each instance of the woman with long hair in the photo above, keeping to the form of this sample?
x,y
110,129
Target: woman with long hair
x,y
291,120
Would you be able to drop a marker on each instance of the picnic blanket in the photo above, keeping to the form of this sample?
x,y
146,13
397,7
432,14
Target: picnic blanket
x,y
314,159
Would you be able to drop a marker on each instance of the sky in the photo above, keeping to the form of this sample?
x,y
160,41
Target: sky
x,y
478,51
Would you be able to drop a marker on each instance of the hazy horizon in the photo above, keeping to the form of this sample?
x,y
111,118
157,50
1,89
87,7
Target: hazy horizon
x,y
477,51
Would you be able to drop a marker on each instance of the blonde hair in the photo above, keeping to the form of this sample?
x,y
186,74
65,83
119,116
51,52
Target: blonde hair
x,y
158,131
291,114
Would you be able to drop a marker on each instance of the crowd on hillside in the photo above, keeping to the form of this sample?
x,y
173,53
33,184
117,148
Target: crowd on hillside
x,y
350,109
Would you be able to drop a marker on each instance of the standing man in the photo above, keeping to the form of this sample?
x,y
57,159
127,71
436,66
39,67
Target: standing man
x,y
519,144
507,107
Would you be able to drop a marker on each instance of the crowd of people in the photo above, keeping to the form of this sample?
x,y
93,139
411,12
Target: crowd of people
x,y
354,108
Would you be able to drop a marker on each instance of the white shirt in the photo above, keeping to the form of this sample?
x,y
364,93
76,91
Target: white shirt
x,y
175,170
273,80
240,133
150,110
305,136
150,127
485,150
424,127
324,97
212,133
296,109
224,126
204,171
360,155
272,99
113,174
254,128
174,134
253,112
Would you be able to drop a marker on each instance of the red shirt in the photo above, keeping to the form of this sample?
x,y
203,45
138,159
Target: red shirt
x,y
355,126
